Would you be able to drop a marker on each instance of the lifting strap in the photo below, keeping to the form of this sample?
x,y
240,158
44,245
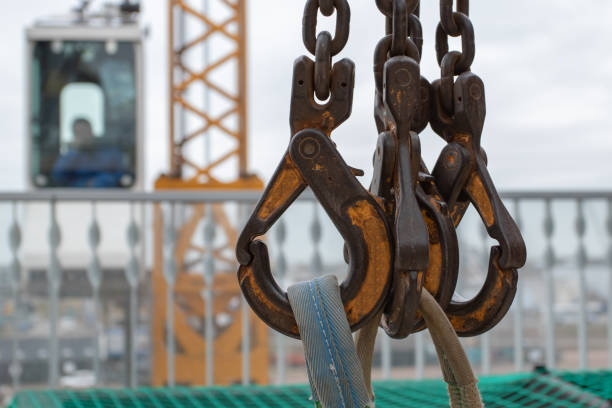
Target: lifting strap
x,y
339,372
456,369
334,369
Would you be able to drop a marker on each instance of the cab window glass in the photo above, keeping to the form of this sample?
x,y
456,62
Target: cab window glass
x,y
83,114
80,100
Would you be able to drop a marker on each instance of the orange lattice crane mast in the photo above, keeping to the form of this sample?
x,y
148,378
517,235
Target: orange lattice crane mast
x,y
208,108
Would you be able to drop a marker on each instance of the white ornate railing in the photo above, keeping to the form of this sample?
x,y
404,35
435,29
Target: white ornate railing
x,y
561,316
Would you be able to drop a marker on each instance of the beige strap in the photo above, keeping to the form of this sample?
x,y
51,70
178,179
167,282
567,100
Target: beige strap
x,y
456,369
364,342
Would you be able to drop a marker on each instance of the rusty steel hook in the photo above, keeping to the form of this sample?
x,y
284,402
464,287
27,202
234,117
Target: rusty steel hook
x,y
359,219
313,160
462,178
397,164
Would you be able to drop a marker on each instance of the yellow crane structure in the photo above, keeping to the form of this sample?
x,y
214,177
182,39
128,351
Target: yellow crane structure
x,y
208,113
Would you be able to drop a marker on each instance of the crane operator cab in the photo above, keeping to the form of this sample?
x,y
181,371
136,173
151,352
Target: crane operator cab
x,y
85,116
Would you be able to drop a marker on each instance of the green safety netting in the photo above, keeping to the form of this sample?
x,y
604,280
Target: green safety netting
x,y
558,390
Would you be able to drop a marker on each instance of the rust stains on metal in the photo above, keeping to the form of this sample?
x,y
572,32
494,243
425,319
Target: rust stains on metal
x,y
401,235
367,219
479,194
433,277
288,181
260,301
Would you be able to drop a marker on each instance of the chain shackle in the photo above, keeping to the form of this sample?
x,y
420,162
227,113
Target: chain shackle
x,y
309,24
468,43
448,16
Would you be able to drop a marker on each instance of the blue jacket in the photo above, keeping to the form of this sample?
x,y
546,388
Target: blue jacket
x,y
98,168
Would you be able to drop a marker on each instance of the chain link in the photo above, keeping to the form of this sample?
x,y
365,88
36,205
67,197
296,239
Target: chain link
x,y
327,7
399,31
447,83
452,63
381,55
323,66
404,34
323,46
447,15
386,6
309,26
468,45
416,31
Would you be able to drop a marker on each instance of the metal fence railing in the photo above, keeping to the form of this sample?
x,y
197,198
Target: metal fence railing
x,y
561,316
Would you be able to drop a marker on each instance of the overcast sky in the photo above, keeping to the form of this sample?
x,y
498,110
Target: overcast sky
x,y
547,66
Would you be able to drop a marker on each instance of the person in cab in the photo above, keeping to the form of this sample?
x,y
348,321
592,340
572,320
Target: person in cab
x,y
88,163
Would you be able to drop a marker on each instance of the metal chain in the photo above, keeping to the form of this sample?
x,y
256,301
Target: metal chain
x,y
404,34
408,209
453,24
323,46
447,15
